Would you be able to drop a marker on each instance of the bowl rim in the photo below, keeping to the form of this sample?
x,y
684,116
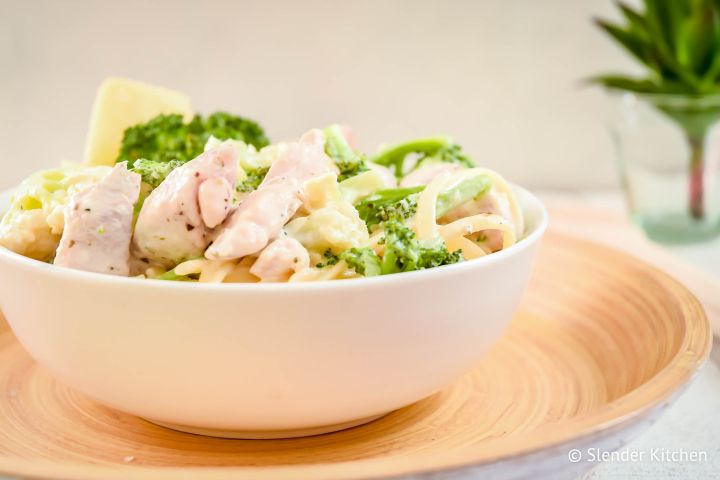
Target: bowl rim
x,y
527,200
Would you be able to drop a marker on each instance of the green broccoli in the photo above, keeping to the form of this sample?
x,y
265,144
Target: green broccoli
x,y
441,149
226,126
166,137
363,260
348,161
154,172
404,253
171,275
401,203
464,191
391,204
330,259
254,179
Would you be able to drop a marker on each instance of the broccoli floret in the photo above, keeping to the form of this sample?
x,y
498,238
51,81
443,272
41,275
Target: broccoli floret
x,y
392,204
363,260
154,172
464,191
254,179
453,153
441,149
166,137
348,161
228,127
399,211
174,276
161,139
404,253
330,259
171,275
401,203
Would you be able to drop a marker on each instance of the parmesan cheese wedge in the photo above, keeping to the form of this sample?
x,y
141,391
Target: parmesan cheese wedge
x,y
121,103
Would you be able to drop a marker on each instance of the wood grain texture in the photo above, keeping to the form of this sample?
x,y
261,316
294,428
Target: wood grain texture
x,y
612,228
600,340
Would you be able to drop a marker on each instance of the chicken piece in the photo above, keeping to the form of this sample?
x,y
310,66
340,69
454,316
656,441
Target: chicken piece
x,y
387,175
213,195
261,216
98,224
491,202
349,136
177,219
35,217
280,259
425,173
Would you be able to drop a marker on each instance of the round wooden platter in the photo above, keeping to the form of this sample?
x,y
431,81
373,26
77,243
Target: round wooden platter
x,y
600,344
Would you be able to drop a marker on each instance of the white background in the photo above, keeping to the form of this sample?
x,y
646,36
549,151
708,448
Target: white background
x,y
502,77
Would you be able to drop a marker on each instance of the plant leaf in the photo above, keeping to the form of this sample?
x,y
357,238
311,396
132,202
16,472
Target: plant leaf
x,y
620,82
636,22
657,24
695,39
710,79
632,43
678,41
637,85
662,19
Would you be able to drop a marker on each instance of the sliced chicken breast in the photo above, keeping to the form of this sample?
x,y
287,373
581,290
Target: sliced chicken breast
x,y
427,172
387,175
280,259
491,202
177,219
98,224
261,216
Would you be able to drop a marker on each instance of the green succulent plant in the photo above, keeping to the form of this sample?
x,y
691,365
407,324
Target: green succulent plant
x,y
678,41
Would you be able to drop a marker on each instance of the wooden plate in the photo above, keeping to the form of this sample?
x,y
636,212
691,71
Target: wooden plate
x,y
600,345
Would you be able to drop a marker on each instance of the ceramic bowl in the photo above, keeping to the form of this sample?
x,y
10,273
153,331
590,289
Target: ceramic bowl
x,y
266,360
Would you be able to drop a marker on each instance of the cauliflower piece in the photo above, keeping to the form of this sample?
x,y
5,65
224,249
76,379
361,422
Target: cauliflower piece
x,y
332,223
34,223
365,184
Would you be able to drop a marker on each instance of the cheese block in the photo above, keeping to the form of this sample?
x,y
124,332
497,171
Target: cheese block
x,y
121,103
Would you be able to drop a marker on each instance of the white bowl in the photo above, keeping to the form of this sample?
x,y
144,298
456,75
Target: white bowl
x,y
266,360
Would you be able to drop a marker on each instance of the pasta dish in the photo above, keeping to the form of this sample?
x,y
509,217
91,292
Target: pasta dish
x,y
171,195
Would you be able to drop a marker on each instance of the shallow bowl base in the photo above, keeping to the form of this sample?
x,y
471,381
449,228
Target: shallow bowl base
x,y
267,434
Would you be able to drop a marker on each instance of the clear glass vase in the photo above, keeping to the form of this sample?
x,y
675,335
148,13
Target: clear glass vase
x,y
668,150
